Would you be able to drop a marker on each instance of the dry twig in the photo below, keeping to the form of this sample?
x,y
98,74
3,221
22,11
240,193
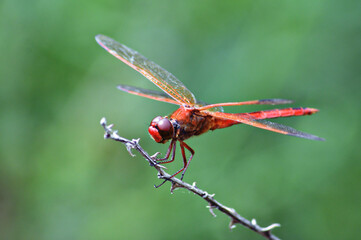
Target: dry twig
x,y
176,183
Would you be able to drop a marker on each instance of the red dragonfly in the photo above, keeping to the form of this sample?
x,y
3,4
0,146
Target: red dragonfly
x,y
194,117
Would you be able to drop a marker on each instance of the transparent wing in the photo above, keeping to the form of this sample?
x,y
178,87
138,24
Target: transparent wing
x,y
155,95
159,96
156,74
272,101
271,126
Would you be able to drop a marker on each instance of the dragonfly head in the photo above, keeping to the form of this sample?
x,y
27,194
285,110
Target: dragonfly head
x,y
161,129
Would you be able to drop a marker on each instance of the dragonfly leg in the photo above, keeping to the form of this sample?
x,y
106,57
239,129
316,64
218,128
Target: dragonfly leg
x,y
170,148
185,163
184,157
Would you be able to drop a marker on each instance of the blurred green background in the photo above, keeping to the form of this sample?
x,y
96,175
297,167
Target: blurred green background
x,y
59,179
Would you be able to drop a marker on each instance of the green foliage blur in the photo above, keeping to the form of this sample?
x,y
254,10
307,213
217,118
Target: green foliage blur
x,y
59,179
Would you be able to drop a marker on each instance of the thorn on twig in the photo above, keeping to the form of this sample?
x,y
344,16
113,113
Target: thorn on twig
x,y
232,224
155,155
266,229
271,227
254,222
161,166
154,162
211,207
205,195
129,147
174,187
103,122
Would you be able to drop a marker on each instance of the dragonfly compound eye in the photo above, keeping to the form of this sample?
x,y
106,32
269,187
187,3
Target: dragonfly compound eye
x,y
165,125
155,121
161,129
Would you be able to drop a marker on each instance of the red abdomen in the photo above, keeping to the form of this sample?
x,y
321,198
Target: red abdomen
x,y
286,112
273,113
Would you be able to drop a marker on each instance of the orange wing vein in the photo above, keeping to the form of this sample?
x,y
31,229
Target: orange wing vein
x,y
272,101
156,74
155,95
161,96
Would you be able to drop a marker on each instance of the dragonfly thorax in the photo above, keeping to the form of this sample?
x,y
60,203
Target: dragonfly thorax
x,y
161,129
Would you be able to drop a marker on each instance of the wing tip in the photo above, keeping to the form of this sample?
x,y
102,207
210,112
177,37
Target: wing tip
x,y
124,88
104,41
98,37
319,139
307,136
